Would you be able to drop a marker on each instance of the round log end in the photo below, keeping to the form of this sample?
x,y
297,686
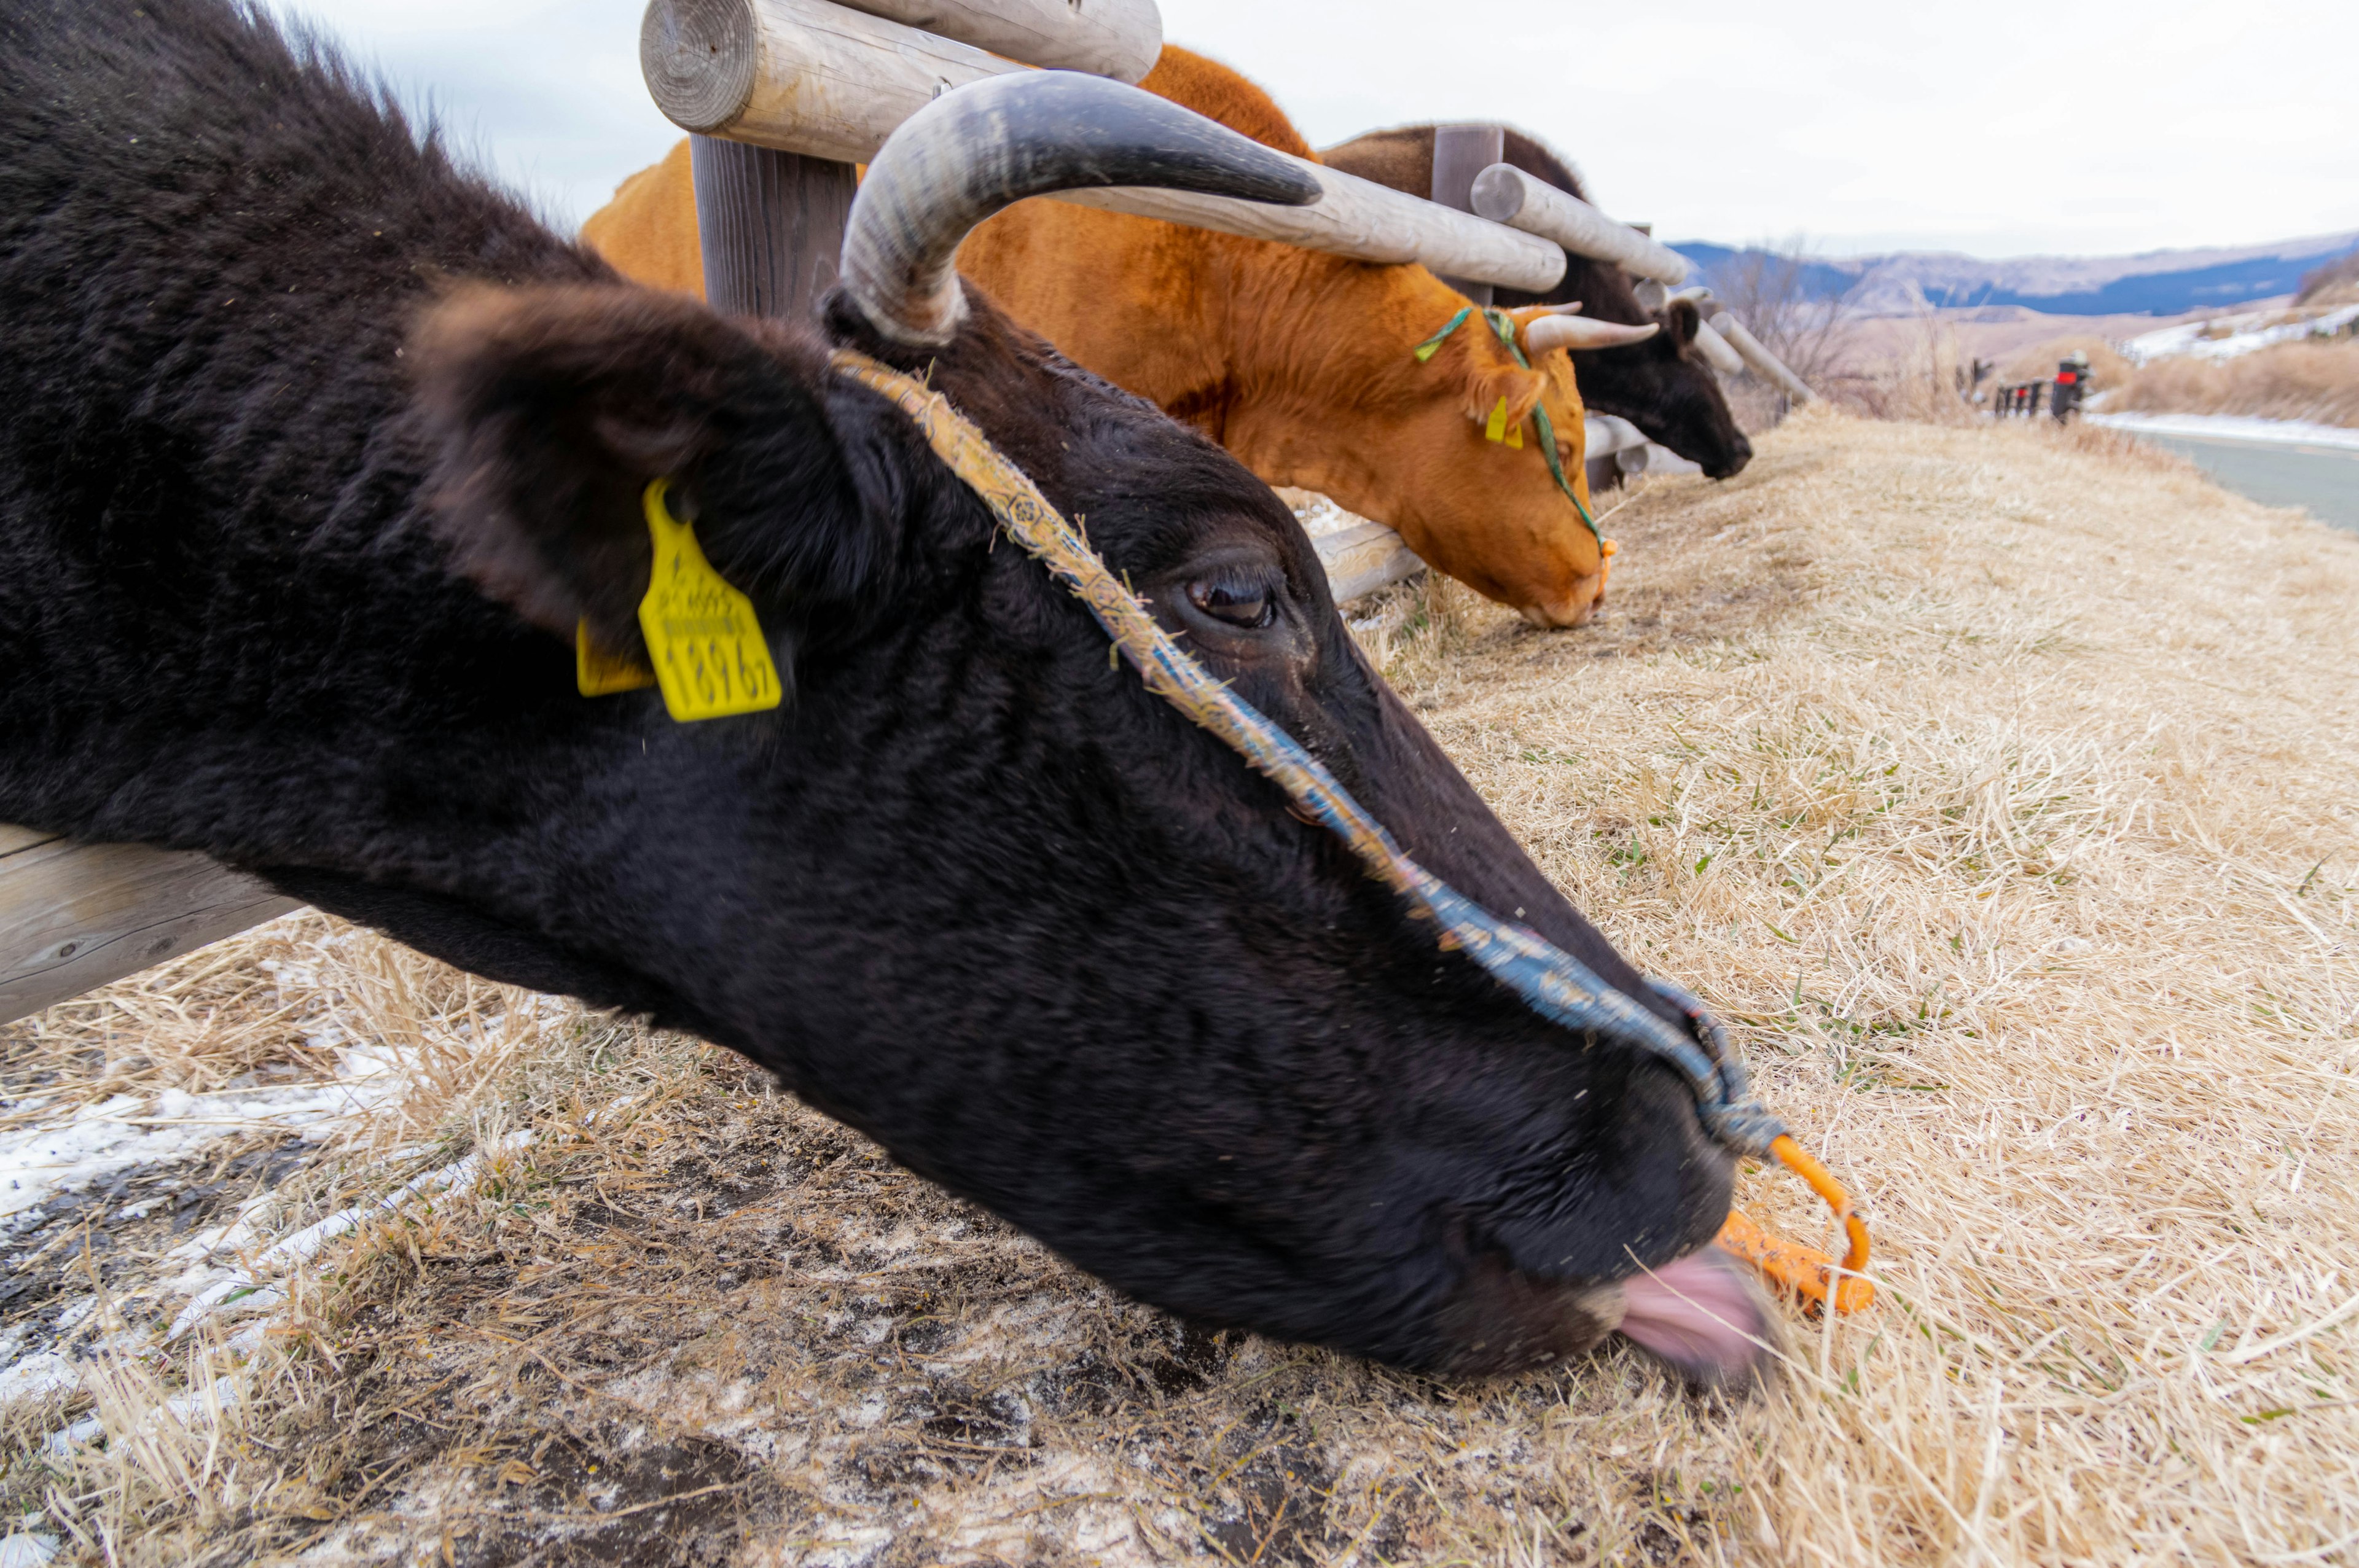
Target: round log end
x,y
700,58
1498,193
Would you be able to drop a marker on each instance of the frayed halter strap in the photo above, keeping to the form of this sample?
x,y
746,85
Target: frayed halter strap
x,y
1552,982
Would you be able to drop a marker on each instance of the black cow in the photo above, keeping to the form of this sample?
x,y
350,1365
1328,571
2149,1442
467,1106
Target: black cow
x,y
322,449
1662,385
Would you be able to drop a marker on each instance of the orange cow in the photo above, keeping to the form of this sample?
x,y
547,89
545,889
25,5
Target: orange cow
x,y
1301,363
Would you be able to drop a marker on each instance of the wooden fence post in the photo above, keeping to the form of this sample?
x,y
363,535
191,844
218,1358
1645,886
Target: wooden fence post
x,y
772,226
1459,153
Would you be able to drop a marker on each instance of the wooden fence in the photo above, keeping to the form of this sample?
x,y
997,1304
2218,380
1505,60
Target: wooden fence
x,y
782,98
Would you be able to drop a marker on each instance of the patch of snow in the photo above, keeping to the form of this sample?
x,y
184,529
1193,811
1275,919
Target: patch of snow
x,y
2244,335
235,1286
43,1373
223,1395
127,1132
28,1549
2232,427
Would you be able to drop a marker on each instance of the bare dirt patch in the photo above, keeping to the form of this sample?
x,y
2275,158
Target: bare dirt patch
x,y
2000,786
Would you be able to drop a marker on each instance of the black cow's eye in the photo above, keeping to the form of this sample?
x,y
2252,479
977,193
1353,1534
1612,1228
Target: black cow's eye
x,y
1245,604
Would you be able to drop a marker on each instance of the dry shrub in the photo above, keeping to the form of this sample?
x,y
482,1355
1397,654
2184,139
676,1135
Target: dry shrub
x,y
2000,787
1921,377
2335,282
2316,381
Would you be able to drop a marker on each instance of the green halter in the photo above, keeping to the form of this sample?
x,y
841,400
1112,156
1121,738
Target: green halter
x,y
1503,326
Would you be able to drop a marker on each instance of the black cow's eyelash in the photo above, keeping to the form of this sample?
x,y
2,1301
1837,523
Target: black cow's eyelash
x,y
1249,603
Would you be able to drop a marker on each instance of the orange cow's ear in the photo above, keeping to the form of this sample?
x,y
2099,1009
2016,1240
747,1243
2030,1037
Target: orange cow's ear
x,y
1488,385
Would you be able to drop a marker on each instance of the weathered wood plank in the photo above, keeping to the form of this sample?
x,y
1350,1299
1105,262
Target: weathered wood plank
x,y
1365,557
771,225
1461,152
75,915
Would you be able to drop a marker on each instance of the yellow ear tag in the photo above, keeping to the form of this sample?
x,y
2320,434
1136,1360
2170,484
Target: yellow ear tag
x,y
598,673
710,658
1496,430
1515,438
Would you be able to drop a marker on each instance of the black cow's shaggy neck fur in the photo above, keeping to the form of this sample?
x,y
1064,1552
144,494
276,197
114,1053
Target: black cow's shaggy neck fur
x,y
288,576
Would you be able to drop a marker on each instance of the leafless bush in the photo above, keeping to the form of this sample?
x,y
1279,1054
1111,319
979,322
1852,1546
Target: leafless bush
x,y
1825,338
1916,373
1770,290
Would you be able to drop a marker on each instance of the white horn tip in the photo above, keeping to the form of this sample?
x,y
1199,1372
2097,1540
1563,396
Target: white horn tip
x,y
1582,332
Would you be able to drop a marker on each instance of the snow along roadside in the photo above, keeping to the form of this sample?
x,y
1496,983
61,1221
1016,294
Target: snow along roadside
x,y
2232,427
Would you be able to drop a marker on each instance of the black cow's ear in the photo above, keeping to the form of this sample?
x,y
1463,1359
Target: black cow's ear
x,y
1681,320
552,408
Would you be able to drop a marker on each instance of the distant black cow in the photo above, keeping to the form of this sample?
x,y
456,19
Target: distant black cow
x,y
1662,385
319,451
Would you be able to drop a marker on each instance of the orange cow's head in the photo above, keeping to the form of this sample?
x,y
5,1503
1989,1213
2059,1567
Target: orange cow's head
x,y
1440,437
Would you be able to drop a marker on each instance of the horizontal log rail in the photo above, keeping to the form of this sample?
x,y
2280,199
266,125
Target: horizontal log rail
x,y
1120,39
1359,219
1760,359
1714,347
812,78
1505,194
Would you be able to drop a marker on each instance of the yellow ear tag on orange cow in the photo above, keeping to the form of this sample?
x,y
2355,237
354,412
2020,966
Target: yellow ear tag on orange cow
x,y
1496,430
710,658
1515,437
599,673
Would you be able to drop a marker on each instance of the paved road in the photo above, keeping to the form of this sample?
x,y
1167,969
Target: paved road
x,y
2323,478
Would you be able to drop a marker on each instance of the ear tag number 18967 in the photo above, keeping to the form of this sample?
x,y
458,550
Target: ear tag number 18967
x,y
710,656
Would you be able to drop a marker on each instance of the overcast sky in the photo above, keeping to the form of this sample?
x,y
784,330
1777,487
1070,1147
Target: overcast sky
x,y
2072,126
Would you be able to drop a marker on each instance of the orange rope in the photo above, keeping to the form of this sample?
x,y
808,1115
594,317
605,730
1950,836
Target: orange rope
x,y
1805,1269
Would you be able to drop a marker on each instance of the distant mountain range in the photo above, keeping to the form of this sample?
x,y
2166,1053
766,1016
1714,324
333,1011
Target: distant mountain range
x,y
2157,283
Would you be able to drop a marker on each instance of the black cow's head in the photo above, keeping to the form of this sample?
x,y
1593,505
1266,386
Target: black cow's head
x,y
1664,385
975,890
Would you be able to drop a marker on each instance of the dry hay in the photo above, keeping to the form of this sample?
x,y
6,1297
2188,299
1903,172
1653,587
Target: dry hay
x,y
1999,784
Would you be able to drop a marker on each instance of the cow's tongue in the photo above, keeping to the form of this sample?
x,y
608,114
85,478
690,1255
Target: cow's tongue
x,y
1699,1314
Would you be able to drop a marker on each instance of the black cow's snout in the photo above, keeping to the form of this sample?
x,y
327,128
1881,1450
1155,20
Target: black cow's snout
x,y
1739,453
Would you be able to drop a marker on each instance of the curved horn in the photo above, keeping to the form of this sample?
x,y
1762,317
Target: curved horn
x,y
1581,333
974,150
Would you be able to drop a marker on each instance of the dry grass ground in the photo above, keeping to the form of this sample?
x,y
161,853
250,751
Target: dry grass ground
x,y
2000,786
2316,381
